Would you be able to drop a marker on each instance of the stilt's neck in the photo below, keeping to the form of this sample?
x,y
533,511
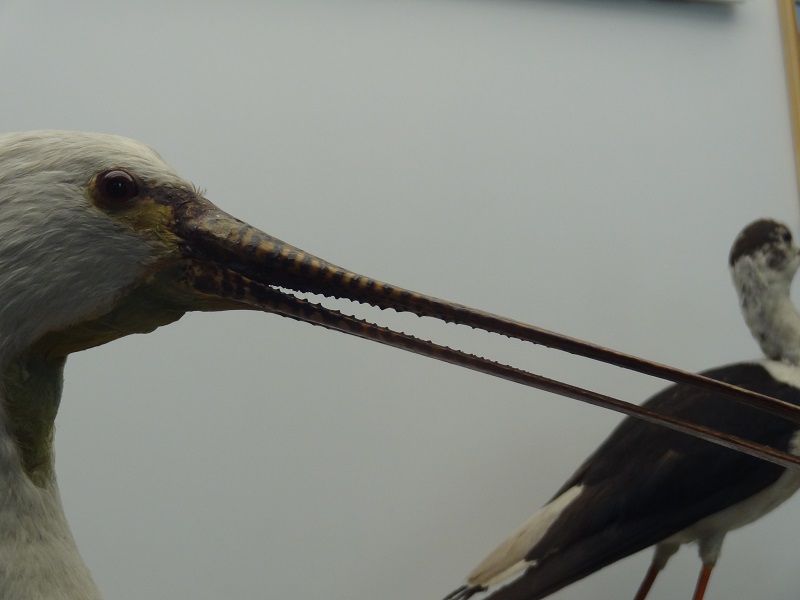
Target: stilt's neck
x,y
768,311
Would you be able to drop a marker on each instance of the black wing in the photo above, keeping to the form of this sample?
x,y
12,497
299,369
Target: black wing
x,y
646,483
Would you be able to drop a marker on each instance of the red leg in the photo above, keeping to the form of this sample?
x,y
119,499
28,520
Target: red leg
x,y
647,583
702,581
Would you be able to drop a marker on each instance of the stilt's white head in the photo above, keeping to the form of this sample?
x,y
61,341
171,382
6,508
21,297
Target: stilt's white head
x,y
763,261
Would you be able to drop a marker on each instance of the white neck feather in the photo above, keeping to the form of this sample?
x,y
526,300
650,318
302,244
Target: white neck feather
x,y
766,304
38,555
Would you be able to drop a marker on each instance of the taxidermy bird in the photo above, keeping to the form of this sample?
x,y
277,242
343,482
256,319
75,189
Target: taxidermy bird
x,y
99,239
646,485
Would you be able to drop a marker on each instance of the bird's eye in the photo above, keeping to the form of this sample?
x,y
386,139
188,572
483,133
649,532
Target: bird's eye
x,y
786,236
116,187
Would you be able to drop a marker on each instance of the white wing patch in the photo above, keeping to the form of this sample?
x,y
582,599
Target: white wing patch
x,y
783,372
509,557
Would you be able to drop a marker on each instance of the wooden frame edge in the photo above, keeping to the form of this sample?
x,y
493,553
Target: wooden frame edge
x,y
791,57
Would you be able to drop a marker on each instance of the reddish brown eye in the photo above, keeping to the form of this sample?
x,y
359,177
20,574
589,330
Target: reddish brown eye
x,y
117,186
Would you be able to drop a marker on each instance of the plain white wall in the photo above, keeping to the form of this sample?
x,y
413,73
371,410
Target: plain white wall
x,y
583,165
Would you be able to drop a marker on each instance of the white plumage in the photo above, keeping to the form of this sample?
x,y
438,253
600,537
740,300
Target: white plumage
x,y
61,262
